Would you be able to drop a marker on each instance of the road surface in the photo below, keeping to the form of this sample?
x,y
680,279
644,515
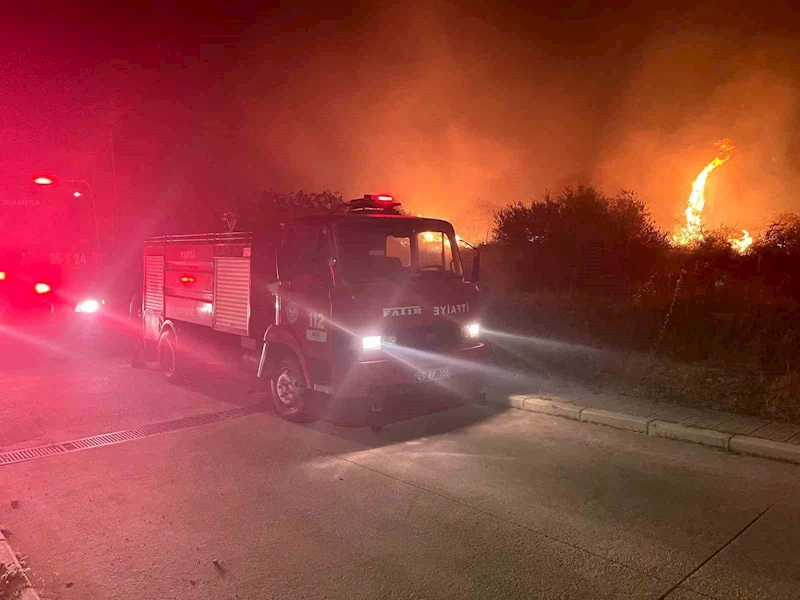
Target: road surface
x,y
461,502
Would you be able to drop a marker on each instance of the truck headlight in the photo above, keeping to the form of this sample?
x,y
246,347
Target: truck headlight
x,y
90,305
472,330
371,342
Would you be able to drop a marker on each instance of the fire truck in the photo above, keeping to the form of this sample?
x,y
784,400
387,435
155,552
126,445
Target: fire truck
x,y
358,303
50,259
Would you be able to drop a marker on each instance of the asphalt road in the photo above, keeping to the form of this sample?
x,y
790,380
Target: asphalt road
x,y
447,502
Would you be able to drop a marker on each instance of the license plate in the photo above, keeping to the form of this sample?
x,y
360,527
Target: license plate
x,y
432,375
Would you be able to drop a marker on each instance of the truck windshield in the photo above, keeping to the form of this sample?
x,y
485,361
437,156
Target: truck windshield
x,y
378,250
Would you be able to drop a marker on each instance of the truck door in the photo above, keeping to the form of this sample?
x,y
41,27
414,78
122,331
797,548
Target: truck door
x,y
305,304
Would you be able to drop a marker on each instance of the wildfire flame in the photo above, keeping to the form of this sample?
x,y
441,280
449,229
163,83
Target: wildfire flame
x,y
741,244
692,231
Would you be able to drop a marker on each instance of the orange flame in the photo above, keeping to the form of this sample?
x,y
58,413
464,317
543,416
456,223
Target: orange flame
x,y
741,244
429,237
692,231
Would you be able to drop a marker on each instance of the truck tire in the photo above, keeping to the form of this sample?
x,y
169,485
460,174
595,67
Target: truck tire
x,y
168,357
293,401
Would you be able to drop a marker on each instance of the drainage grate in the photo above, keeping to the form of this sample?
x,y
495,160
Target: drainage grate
x,y
107,439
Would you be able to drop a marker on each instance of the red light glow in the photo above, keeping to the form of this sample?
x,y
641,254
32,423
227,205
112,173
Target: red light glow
x,y
43,181
76,194
380,197
2,275
41,288
187,279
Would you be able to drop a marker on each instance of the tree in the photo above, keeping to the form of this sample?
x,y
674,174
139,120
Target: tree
x,y
271,208
582,238
782,236
286,206
517,224
777,256
633,223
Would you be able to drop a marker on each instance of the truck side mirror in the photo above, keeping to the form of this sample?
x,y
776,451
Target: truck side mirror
x,y
475,276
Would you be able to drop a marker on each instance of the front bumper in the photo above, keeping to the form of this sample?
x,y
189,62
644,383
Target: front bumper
x,y
415,372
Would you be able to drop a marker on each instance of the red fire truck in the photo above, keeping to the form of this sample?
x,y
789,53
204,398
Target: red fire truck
x,y
50,259
351,304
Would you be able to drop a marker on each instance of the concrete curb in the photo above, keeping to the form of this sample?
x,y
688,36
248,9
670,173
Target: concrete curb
x,y
512,400
734,444
553,407
695,435
742,444
615,419
8,557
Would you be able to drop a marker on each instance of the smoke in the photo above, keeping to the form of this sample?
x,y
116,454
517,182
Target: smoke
x,y
689,91
424,105
457,110
457,115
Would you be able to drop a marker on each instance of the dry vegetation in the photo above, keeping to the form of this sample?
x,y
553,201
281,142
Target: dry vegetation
x,y
595,293
12,581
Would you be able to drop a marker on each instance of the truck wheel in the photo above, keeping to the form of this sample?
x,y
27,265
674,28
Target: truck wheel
x,y
168,356
290,396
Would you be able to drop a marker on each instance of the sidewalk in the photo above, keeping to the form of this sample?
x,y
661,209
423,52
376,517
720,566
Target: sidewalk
x,y
724,430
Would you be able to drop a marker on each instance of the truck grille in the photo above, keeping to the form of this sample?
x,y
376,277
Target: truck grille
x,y
232,294
430,337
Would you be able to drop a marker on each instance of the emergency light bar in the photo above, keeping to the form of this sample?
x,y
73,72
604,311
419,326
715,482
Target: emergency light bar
x,y
371,203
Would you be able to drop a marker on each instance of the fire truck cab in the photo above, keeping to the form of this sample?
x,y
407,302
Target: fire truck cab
x,y
353,304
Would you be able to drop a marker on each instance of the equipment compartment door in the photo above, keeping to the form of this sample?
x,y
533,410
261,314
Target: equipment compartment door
x,y
153,292
232,294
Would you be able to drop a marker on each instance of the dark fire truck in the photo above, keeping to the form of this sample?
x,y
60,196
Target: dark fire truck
x,y
351,304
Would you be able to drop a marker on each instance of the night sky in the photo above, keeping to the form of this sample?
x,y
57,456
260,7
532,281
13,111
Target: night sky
x,y
454,108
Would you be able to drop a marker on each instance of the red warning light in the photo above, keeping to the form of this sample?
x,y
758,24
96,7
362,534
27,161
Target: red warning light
x,y
41,288
187,279
2,275
43,180
380,197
